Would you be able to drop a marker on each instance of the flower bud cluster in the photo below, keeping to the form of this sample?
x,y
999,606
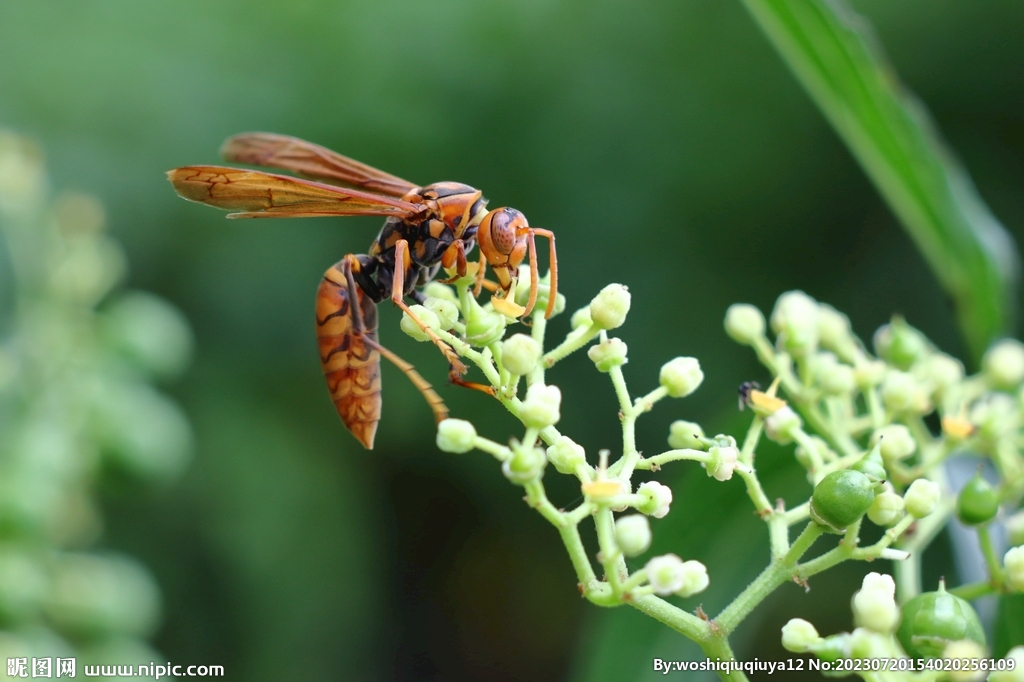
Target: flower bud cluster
x,y
856,422
833,384
79,361
668,574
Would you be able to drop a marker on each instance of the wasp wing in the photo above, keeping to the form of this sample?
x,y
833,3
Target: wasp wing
x,y
255,194
311,160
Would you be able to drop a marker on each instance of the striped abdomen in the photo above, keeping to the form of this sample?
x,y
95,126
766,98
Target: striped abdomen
x,y
350,358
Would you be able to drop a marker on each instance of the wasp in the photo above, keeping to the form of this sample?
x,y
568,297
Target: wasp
x,y
426,228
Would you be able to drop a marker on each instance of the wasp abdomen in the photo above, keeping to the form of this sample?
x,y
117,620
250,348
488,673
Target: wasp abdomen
x,y
348,355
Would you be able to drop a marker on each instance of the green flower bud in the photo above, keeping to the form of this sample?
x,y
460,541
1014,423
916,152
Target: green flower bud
x,y
1015,528
695,579
446,311
100,596
832,648
995,415
437,290
540,408
425,316
871,465
522,293
834,377
633,534
455,435
656,499
795,320
566,455
799,636
525,465
665,574
723,462
1003,364
681,376
794,309
1013,561
150,332
887,509
896,442
484,327
804,457
23,585
977,502
963,650
902,394
921,498
580,318
683,434
520,354
869,373
783,425
834,332
874,605
608,309
90,266
744,323
934,619
1014,671
841,498
900,344
608,354
865,643
142,431
943,372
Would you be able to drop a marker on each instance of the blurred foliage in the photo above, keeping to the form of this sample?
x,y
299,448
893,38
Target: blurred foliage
x,y
834,53
76,407
666,144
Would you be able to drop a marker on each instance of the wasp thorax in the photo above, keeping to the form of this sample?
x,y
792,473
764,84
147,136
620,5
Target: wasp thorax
x,y
461,206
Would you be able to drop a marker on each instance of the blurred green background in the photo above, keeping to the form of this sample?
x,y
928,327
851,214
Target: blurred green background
x,y
670,150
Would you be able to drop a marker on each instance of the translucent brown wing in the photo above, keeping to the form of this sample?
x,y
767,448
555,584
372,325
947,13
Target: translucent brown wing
x,y
255,194
311,160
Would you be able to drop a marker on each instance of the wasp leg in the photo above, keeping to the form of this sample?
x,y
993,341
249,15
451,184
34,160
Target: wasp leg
x,y
481,271
454,378
397,297
437,405
455,255
553,292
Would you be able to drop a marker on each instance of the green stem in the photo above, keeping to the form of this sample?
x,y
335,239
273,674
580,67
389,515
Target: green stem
x,y
650,463
750,442
755,491
995,571
576,339
609,555
537,498
774,575
973,590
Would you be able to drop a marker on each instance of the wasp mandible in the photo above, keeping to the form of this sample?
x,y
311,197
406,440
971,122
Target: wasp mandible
x,y
426,228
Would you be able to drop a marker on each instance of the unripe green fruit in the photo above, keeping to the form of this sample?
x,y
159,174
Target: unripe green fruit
x,y
841,498
977,502
900,344
871,465
934,619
